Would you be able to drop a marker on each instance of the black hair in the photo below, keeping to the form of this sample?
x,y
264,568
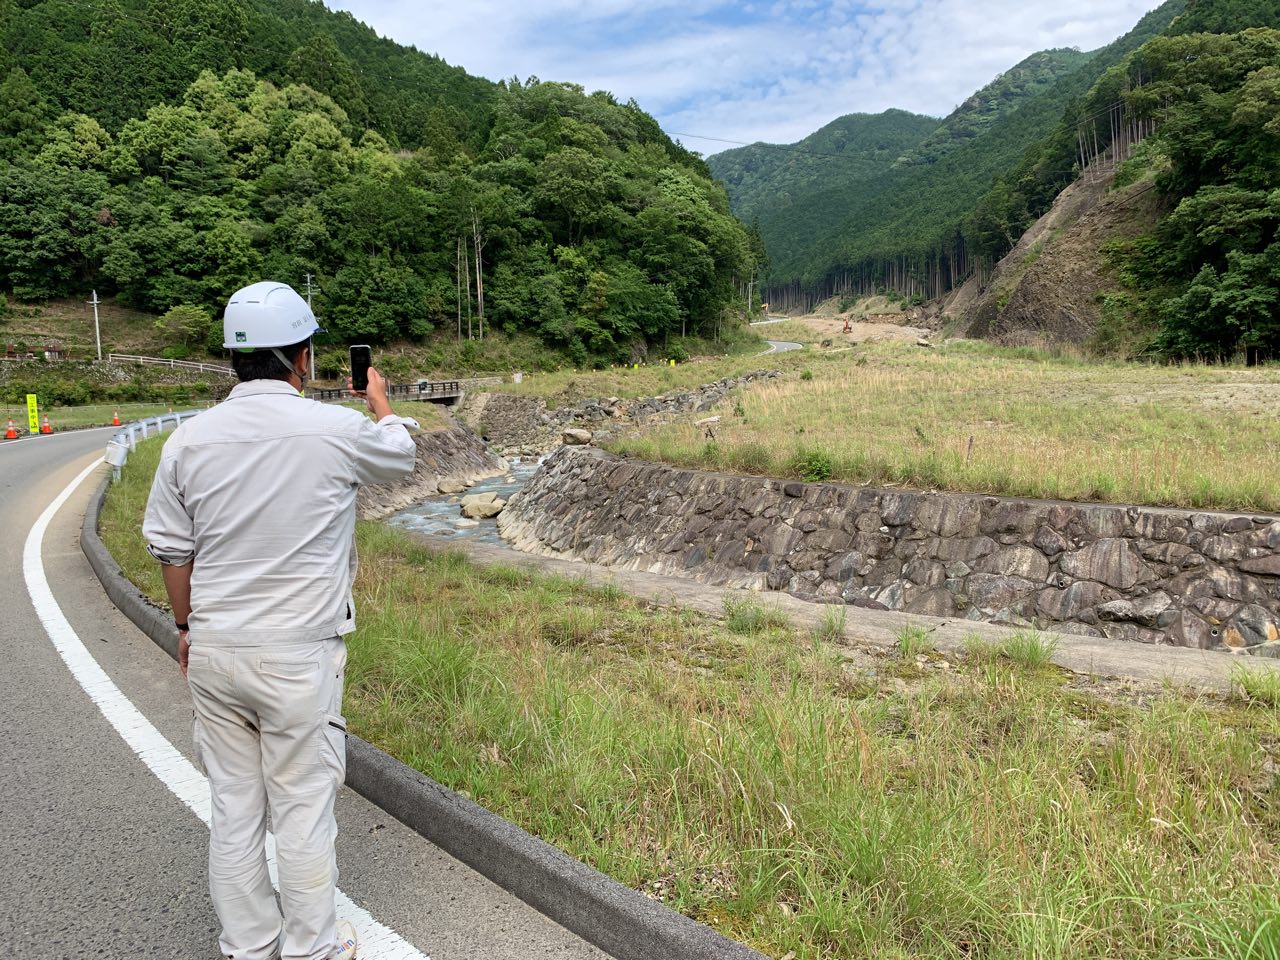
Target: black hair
x,y
265,365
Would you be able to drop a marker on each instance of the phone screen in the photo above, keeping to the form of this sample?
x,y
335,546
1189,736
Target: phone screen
x,y
361,359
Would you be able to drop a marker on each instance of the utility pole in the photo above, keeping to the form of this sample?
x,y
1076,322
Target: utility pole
x,y
313,343
97,331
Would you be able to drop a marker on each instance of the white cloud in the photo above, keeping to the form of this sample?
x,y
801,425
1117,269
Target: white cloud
x,y
752,71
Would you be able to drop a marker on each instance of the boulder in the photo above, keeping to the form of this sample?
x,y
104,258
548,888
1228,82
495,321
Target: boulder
x,y
451,485
1253,626
482,510
575,437
990,591
1111,561
1016,561
1069,602
473,499
1264,566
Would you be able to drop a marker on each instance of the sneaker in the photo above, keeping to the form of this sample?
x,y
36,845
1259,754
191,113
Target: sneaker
x,y
346,941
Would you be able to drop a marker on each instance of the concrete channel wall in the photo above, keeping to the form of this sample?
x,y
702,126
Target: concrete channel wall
x,y
1206,580
453,452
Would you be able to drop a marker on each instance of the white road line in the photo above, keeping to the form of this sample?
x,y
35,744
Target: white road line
x,y
43,436
165,761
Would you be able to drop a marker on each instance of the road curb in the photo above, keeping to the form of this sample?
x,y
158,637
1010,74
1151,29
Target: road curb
x,y
618,920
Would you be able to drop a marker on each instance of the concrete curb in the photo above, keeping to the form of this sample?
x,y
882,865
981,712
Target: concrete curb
x,y
618,920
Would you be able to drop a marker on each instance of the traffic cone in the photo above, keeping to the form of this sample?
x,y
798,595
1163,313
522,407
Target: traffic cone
x,y
45,426
115,418
12,432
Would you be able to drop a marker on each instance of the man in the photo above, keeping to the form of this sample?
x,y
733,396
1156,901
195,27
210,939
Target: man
x,y
252,513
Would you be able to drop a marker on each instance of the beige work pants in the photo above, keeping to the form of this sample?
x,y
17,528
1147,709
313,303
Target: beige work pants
x,y
269,733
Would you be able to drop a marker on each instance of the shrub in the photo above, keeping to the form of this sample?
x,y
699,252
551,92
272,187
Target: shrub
x,y
185,323
812,466
1028,648
914,641
1256,686
746,616
831,628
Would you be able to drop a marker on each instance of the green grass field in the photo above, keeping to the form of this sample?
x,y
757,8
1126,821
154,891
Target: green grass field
x,y
565,387
88,415
750,777
976,418
429,415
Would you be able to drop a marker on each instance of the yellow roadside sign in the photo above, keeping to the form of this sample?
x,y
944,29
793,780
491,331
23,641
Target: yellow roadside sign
x,y
33,414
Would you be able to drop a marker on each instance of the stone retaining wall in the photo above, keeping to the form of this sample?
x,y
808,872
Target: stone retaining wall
x,y
451,453
524,425
1159,576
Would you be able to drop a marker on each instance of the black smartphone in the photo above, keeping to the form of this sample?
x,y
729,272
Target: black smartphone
x,y
361,360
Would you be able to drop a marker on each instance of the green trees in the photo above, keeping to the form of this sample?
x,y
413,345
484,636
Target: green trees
x,y
1211,268
577,220
185,324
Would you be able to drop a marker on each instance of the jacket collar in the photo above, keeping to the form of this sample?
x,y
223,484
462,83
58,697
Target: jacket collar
x,y
253,388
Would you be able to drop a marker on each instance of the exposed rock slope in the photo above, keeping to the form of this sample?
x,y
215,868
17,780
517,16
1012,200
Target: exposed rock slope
x,y
1052,286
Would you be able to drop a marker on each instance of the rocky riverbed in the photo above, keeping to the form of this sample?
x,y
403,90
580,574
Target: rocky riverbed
x,y
524,426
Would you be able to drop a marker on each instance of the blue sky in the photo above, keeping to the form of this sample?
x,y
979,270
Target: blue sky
x,y
752,71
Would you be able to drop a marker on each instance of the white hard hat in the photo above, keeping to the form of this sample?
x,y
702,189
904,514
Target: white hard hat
x,y
264,315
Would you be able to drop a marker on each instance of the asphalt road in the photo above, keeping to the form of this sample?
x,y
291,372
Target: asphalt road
x,y
100,859
782,346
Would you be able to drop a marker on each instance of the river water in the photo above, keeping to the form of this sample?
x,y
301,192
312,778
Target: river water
x,y
442,515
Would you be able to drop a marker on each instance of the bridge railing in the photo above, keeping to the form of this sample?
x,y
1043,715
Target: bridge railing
x,y
174,364
424,390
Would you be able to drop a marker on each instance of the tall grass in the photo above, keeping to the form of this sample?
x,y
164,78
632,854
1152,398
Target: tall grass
x,y
756,782
1017,423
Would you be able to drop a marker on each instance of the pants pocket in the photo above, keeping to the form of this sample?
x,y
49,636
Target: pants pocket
x,y
333,746
197,742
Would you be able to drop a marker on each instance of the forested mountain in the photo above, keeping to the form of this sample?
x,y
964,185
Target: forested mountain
x,y
1033,76
909,227
169,151
766,177
1170,245
115,59
1226,16
849,149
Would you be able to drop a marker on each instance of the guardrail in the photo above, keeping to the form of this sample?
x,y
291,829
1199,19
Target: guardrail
x,y
125,440
175,364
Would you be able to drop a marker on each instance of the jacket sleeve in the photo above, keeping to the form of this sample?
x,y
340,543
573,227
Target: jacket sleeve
x,y
385,450
166,526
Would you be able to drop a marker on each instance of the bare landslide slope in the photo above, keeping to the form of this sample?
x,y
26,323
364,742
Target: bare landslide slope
x,y
1050,287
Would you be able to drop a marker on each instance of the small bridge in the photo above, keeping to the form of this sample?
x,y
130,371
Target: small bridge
x,y
443,391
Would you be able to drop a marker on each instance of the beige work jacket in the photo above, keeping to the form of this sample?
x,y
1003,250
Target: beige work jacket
x,y
259,493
